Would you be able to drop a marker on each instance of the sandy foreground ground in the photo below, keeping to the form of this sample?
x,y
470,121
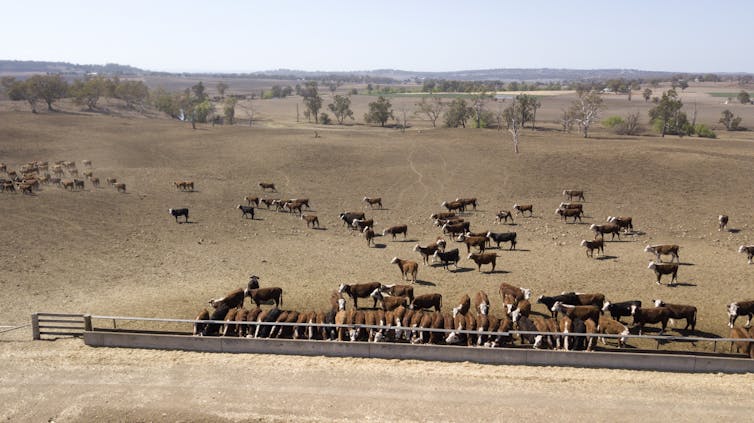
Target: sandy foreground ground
x,y
66,381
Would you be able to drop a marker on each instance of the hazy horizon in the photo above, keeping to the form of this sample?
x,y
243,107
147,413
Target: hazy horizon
x,y
439,36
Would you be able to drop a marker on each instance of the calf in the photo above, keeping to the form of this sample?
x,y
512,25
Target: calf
x,y
120,187
597,244
476,241
663,249
426,252
679,311
571,193
94,180
484,258
310,220
748,249
388,302
218,313
608,228
111,181
246,210
408,268
442,215
265,295
395,230
179,212
249,200
566,213
503,237
609,326
369,236
503,215
361,290
618,310
520,209
447,257
373,201
427,301
740,308
267,186
722,222
269,201
654,315
664,269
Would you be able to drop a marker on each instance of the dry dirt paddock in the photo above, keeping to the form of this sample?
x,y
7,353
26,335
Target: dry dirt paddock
x,y
101,252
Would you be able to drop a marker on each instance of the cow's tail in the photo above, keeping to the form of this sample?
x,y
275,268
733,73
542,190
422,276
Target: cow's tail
x,y
280,300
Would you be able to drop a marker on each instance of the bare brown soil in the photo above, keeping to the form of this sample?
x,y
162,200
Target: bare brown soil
x,y
105,253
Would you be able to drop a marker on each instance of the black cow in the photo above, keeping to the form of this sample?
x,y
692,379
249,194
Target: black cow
x,y
218,314
618,310
503,237
447,257
179,212
569,298
246,210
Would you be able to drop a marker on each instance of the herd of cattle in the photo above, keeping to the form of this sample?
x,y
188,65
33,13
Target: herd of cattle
x,y
30,177
421,319
403,317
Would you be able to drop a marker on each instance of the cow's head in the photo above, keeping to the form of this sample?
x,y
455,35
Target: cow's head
x,y
556,306
527,293
253,282
583,243
606,306
376,294
341,303
649,249
515,315
341,288
658,303
452,338
651,265
484,308
634,307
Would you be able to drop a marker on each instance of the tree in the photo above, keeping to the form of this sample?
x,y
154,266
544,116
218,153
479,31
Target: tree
x,y
379,111
20,90
134,93
199,91
169,103
566,120
477,105
341,108
312,99
731,122
512,116
586,109
221,87
621,126
667,116
88,92
229,110
48,88
683,84
744,97
458,113
432,109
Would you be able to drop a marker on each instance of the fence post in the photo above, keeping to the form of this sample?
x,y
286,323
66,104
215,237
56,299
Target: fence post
x,y
88,322
35,327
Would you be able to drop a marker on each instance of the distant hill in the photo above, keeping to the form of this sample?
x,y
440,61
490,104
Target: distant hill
x,y
19,67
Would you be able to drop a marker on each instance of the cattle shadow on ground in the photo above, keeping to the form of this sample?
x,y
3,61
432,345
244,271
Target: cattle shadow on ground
x,y
677,284
697,332
618,240
685,264
734,231
190,222
318,228
636,233
377,245
405,240
605,257
523,250
425,283
495,272
461,269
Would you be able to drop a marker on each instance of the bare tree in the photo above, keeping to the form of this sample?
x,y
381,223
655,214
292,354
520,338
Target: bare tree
x,y
248,109
566,120
512,117
432,109
586,110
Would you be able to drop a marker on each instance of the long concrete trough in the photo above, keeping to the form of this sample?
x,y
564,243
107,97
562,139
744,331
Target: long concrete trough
x,y
608,360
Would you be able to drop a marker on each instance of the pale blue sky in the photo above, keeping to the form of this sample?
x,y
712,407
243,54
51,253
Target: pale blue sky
x,y
246,36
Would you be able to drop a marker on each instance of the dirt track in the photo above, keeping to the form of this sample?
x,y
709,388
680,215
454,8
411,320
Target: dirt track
x,y
101,252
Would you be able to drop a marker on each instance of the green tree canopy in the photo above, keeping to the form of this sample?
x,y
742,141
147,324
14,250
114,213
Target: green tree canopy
x,y
379,111
667,116
341,108
312,99
458,113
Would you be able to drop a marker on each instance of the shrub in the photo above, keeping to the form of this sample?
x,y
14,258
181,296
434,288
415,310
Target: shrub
x,y
324,119
703,131
612,121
